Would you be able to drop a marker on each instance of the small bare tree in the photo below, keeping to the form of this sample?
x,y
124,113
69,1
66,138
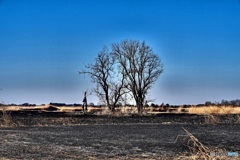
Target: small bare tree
x,y
141,68
101,72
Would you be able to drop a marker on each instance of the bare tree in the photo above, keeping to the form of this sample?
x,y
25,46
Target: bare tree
x,y
141,68
101,72
118,89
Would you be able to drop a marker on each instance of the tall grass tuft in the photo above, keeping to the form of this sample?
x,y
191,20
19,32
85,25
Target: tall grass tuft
x,y
7,120
199,151
211,119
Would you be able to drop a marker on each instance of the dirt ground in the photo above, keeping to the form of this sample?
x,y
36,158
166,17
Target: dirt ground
x,y
64,136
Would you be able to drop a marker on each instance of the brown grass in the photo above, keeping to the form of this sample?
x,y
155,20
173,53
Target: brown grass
x,y
196,147
211,119
211,113
19,108
198,151
6,119
238,119
214,110
204,110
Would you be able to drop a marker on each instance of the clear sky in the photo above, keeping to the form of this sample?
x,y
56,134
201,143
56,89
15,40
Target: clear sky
x,y
43,45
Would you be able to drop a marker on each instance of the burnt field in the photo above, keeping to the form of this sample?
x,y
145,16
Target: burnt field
x,y
57,135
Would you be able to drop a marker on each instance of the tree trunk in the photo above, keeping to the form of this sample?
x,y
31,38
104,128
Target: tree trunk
x,y
140,107
112,108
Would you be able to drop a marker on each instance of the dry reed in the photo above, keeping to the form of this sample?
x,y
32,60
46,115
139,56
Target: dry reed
x,y
198,151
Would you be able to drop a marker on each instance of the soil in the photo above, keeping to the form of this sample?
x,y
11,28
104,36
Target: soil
x,y
54,135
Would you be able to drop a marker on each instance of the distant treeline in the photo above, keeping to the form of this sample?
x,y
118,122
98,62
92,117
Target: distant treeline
x,y
32,105
207,103
53,104
64,104
224,103
234,103
24,104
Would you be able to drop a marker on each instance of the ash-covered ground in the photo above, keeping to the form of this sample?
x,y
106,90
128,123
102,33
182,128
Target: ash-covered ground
x,y
61,136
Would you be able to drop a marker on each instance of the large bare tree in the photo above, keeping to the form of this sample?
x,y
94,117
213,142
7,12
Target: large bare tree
x,y
109,89
141,68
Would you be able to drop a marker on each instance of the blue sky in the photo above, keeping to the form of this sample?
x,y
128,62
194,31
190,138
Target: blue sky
x,y
43,45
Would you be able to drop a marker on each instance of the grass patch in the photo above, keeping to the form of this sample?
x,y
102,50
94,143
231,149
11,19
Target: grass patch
x,y
6,119
212,114
214,110
211,119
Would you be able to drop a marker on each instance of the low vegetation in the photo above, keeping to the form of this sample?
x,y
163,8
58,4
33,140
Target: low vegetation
x,y
206,110
199,151
6,119
208,114
212,114
200,110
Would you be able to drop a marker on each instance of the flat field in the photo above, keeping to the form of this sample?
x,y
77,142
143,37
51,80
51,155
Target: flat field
x,y
55,135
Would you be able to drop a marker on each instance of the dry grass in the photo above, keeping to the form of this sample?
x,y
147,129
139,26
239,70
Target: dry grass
x,y
19,108
211,119
6,119
121,111
214,110
212,113
198,151
196,147
238,119
204,110
128,110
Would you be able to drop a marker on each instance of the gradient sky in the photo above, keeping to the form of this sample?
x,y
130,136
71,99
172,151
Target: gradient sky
x,y
43,45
